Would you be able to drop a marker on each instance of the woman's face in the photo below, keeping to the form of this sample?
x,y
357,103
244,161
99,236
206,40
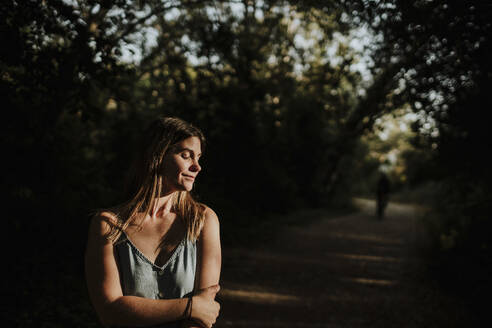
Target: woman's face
x,y
180,165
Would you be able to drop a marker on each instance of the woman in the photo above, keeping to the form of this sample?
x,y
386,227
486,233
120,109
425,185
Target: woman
x,y
155,260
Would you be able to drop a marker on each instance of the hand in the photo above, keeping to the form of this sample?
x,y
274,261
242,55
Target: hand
x,y
205,309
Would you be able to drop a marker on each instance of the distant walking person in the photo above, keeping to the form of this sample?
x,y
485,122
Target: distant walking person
x,y
382,195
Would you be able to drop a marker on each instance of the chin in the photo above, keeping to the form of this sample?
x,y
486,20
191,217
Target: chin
x,y
187,187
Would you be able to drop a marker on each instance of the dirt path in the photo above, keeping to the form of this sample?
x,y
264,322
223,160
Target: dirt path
x,y
351,271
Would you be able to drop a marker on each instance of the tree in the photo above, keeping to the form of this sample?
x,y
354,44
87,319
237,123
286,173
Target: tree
x,y
441,49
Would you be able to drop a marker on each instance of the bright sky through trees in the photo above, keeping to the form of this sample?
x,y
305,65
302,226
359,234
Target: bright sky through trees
x,y
358,40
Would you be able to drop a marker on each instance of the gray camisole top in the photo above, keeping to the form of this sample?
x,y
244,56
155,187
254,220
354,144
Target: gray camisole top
x,y
141,277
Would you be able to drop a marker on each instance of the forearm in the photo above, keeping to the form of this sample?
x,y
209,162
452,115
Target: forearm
x,y
139,311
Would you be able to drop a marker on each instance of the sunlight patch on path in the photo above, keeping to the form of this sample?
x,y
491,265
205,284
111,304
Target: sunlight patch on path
x,y
277,324
366,257
259,297
273,257
368,281
371,238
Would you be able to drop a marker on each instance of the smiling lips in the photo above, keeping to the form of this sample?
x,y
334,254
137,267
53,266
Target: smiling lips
x,y
189,177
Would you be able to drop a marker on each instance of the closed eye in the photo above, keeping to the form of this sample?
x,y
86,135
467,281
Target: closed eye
x,y
188,153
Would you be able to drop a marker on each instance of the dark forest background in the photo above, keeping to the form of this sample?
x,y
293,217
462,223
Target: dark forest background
x,y
288,117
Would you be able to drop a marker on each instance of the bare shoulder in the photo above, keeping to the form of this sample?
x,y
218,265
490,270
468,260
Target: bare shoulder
x,y
102,223
211,226
210,217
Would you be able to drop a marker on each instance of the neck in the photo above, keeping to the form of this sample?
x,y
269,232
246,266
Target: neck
x,y
163,205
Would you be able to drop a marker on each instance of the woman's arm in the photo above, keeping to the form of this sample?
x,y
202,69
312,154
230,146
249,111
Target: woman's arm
x,y
113,308
209,257
209,252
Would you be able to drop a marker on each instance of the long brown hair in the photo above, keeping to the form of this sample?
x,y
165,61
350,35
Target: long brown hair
x,y
145,182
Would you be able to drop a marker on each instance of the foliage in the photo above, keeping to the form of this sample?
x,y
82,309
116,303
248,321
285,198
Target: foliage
x,y
81,79
283,113
441,52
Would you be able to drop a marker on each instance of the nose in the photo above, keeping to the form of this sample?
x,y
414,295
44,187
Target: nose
x,y
195,167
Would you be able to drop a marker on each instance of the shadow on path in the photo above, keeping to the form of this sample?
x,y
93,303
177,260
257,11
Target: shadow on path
x,y
349,271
